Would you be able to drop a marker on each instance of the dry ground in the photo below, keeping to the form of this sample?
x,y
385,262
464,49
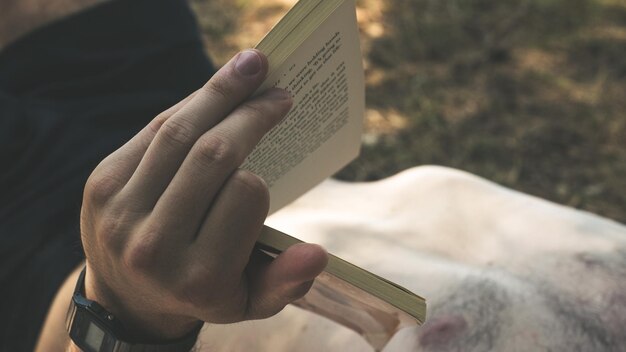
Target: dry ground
x,y
528,93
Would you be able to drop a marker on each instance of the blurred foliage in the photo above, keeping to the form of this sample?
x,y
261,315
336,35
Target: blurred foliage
x,y
528,93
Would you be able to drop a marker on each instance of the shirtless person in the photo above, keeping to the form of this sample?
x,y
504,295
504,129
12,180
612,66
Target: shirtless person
x,y
501,271
168,222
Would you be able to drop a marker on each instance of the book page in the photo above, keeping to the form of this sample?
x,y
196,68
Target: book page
x,y
322,133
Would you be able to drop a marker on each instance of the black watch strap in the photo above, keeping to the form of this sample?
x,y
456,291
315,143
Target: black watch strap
x,y
93,329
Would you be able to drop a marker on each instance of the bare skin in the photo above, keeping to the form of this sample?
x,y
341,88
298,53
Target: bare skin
x,y
500,270
186,290
168,221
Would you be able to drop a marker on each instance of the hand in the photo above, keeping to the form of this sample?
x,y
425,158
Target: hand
x,y
169,222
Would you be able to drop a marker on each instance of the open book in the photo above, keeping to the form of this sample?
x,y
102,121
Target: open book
x,y
314,53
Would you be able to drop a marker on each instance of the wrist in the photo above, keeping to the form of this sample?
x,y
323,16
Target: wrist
x,y
142,324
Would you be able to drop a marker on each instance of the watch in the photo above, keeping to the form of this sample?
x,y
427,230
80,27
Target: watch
x,y
93,329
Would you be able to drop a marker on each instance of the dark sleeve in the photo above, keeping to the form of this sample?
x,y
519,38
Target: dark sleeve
x,y
70,94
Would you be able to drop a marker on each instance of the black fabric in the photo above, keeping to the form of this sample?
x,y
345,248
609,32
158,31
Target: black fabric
x,y
70,94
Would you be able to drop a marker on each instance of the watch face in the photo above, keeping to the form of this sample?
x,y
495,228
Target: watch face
x,y
93,329
90,335
94,336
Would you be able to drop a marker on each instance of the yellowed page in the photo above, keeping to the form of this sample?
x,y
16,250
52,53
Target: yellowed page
x,y
322,133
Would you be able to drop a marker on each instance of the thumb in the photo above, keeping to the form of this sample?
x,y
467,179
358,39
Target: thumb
x,y
283,280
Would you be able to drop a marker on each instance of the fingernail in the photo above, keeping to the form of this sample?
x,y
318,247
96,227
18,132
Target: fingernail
x,y
278,94
248,63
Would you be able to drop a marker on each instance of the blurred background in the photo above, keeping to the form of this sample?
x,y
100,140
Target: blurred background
x,y
528,93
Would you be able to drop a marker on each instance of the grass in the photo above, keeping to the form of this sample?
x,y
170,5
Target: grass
x,y
528,93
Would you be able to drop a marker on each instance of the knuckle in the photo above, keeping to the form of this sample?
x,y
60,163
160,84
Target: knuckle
x,y
195,288
212,149
101,187
158,122
264,114
177,133
110,233
252,185
221,87
143,256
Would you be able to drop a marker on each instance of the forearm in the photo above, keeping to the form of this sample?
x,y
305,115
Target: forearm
x,y
53,336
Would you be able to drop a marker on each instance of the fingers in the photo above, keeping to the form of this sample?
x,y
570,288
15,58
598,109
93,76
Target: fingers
x,y
110,176
179,234
284,280
214,157
230,86
234,223
255,288
222,250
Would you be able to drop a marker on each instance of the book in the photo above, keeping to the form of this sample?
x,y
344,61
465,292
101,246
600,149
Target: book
x,y
314,53
368,304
